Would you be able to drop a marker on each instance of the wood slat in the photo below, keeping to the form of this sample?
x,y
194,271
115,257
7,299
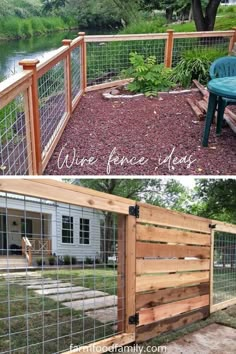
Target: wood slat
x,y
148,283
164,296
223,305
66,193
125,37
152,233
144,249
203,34
148,266
160,216
144,333
162,312
224,227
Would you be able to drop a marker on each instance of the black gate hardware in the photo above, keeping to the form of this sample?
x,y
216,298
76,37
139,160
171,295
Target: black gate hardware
x,y
134,211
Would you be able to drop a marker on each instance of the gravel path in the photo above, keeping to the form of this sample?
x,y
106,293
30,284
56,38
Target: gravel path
x,y
162,135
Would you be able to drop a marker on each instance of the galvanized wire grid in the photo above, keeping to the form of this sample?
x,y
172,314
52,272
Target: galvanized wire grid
x,y
52,99
15,149
76,71
224,274
106,61
217,46
46,310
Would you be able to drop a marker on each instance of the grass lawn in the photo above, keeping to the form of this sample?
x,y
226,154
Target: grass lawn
x,y
100,279
35,319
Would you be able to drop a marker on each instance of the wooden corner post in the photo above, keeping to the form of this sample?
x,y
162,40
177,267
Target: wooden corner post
x,y
130,274
68,77
169,48
212,270
232,41
83,61
34,115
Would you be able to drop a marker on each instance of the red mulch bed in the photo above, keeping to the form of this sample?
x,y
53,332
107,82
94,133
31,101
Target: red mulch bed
x,y
141,127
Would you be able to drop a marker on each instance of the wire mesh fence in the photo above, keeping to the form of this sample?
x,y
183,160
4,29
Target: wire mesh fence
x,y
52,100
76,70
69,296
107,61
224,271
212,47
15,145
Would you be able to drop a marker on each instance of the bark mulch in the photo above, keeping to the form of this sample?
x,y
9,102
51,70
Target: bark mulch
x,y
163,136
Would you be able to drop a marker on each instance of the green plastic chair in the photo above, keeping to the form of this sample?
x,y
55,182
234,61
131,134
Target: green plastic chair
x,y
223,67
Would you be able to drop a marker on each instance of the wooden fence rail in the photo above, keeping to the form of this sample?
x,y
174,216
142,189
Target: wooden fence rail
x,y
50,90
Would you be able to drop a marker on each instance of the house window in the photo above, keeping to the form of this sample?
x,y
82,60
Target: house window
x,y
67,229
84,232
26,228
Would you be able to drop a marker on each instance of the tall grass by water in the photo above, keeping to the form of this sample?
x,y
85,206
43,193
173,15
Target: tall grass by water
x,y
14,27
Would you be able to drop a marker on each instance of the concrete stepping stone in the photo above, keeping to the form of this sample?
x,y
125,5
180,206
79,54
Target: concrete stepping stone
x,y
54,285
91,304
77,295
36,282
104,315
60,290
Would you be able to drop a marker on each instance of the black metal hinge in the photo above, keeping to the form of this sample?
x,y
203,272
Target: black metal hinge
x,y
134,320
211,226
134,211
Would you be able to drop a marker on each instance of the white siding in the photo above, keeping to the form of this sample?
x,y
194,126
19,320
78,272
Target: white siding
x,y
54,213
76,249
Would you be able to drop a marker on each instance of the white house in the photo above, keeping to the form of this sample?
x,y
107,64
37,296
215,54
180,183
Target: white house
x,y
51,228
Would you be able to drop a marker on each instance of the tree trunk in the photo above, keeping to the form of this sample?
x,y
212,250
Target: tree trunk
x,y
211,12
169,14
206,23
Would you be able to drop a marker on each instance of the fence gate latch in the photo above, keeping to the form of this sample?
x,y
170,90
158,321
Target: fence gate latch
x,y
134,320
134,211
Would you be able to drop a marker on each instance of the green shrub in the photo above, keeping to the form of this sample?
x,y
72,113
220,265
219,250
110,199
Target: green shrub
x,y
195,64
51,260
149,77
146,26
88,260
68,260
40,262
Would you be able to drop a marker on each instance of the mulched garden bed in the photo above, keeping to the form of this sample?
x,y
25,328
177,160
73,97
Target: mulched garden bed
x,y
164,134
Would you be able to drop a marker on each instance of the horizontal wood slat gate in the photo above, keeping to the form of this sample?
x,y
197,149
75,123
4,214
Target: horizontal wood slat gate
x,y
172,270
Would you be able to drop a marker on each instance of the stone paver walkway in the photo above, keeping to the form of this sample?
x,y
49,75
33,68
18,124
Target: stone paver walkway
x,y
95,304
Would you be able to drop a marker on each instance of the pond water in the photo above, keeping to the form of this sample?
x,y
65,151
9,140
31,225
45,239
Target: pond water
x,y
11,52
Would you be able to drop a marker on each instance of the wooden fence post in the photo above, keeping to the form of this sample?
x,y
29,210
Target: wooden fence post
x,y
121,274
212,270
232,41
84,61
34,115
68,77
169,48
130,272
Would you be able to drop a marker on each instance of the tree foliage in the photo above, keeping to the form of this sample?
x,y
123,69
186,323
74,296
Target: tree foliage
x,y
215,198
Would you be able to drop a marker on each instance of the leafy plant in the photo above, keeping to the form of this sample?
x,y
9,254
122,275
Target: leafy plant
x,y
51,260
40,262
88,260
195,64
68,260
149,77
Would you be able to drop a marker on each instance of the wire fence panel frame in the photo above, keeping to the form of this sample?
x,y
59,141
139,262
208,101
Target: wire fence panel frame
x,y
72,302
223,268
16,145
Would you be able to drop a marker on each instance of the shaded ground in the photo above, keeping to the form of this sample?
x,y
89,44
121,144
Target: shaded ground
x,y
214,338
156,130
